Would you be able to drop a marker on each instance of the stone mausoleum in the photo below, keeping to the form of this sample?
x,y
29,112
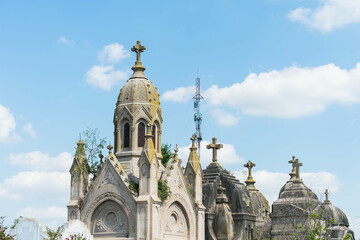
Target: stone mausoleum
x,y
123,201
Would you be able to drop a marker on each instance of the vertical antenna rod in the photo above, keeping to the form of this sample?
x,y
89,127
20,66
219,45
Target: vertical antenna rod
x,y
197,115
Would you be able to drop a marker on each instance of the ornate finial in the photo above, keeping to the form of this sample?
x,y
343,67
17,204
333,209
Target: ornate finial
x,y
101,157
293,171
297,165
193,138
215,147
149,130
250,181
176,149
138,48
221,196
327,201
110,147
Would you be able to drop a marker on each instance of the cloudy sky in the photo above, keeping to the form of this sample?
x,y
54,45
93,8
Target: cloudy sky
x,y
279,78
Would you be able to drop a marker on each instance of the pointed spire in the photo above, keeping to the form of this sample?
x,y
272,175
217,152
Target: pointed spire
x,y
327,201
138,68
80,154
193,157
250,182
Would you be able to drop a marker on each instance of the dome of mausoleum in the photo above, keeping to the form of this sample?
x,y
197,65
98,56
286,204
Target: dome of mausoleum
x,y
332,212
296,189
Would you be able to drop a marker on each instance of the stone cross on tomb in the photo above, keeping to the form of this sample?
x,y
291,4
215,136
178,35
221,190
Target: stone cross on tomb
x,y
249,165
292,161
327,201
138,48
297,165
215,147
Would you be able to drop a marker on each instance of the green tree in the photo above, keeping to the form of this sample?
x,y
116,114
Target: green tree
x,y
166,153
5,231
53,234
94,145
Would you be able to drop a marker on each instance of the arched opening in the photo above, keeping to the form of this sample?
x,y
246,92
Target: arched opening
x,y
176,223
126,135
154,135
141,134
109,220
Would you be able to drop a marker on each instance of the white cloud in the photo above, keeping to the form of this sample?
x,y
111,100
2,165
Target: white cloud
x,y
66,41
289,93
39,161
226,155
105,77
180,94
270,183
28,129
7,126
36,185
224,118
52,216
113,53
330,15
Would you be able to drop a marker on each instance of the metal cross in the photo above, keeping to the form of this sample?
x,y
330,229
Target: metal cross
x,y
138,48
215,147
249,165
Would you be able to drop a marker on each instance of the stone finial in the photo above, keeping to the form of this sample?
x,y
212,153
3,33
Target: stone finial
x,y
110,147
149,130
176,149
215,147
327,201
250,181
221,196
293,171
138,67
193,139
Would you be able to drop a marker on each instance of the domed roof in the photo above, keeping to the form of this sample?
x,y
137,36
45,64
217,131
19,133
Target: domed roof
x,y
139,90
332,212
296,189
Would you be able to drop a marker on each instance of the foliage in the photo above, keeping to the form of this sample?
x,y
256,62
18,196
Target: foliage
x,y
134,187
94,144
318,227
53,234
163,190
166,153
76,236
4,231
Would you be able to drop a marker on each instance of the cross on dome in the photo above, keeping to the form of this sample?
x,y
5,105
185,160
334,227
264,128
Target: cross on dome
x,y
249,165
327,201
215,147
138,48
293,171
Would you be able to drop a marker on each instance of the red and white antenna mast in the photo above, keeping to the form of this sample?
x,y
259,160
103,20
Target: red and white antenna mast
x,y
197,115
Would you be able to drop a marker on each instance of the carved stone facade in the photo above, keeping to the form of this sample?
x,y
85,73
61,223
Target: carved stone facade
x,y
206,204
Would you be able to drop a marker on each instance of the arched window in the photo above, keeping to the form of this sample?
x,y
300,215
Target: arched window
x,y
141,134
154,135
126,135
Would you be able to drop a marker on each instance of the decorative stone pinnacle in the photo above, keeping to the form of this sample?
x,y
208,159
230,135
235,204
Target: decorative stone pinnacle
x,y
138,48
293,171
193,138
215,147
221,196
327,201
110,147
149,130
176,149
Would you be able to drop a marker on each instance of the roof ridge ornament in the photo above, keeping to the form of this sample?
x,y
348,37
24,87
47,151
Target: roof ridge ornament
x,y
138,68
215,147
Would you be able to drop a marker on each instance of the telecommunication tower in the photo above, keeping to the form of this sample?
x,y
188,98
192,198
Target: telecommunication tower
x,y
197,115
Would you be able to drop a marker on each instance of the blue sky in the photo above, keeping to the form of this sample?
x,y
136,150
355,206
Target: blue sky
x,y
279,77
